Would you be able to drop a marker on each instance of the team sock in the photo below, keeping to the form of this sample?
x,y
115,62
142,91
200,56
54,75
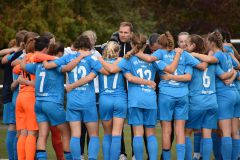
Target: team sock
x,y
207,145
41,155
93,148
152,146
235,148
106,144
10,143
226,147
138,147
75,148
15,148
57,142
188,153
197,141
216,145
30,146
166,154
115,148
21,147
180,149
68,156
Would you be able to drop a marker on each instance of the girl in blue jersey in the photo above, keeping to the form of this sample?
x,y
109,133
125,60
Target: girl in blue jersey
x,y
49,92
173,99
226,97
112,105
81,100
142,106
202,89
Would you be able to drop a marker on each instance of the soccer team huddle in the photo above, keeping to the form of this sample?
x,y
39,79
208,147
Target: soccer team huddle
x,y
192,88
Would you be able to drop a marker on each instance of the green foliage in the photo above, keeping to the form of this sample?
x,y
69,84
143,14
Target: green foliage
x,y
68,18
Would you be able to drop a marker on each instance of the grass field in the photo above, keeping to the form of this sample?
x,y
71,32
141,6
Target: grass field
x,y
51,154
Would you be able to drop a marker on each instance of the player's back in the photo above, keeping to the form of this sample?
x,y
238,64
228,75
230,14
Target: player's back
x,y
111,84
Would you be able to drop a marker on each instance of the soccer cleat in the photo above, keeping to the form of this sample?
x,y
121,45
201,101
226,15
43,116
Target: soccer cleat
x,y
122,157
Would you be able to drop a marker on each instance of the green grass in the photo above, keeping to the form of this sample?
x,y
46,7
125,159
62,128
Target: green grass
x,y
51,153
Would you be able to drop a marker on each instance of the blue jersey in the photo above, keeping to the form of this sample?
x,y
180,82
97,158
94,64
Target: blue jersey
x,y
112,84
228,49
80,97
49,84
237,82
203,82
226,62
141,96
185,64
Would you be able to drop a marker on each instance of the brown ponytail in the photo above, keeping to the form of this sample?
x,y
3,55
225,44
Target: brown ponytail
x,y
217,38
138,42
166,41
199,43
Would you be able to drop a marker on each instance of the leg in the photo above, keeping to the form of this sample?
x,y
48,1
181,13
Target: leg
x,y
42,140
180,138
75,127
106,144
21,144
206,143
94,144
10,138
57,142
152,144
226,140
188,133
138,142
31,144
116,138
235,140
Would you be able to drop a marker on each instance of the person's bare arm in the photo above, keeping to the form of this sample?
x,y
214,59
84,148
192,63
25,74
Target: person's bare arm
x,y
14,85
173,66
146,57
226,75
180,78
137,80
80,82
72,64
23,81
49,65
205,58
231,79
112,68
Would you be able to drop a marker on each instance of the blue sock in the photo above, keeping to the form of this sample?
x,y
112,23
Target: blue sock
x,y
216,146
188,153
138,147
197,140
75,148
226,147
180,149
15,148
115,148
235,148
41,155
10,143
152,146
106,144
68,156
207,145
166,154
93,148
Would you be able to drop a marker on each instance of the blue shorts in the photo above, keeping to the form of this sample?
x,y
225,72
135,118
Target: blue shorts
x,y
198,119
86,115
9,116
170,108
50,112
226,102
141,116
112,106
237,106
